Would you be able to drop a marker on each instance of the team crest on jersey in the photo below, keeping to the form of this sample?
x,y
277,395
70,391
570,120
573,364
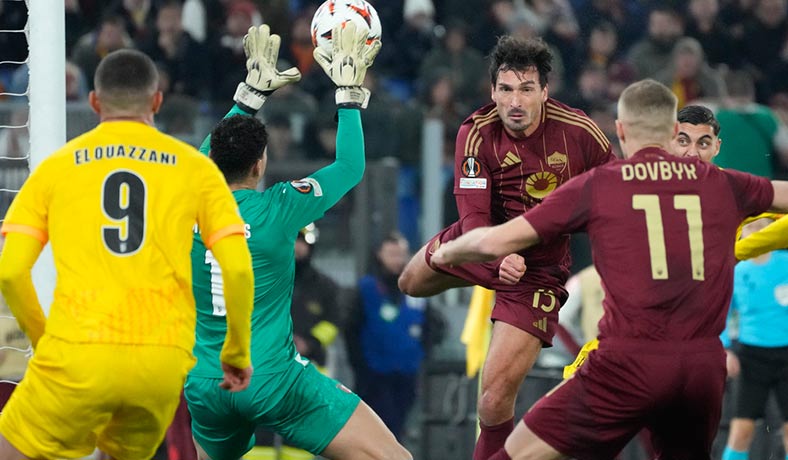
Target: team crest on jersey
x,y
557,161
307,185
471,167
539,185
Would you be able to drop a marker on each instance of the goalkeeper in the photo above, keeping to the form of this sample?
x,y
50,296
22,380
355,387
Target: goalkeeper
x,y
288,396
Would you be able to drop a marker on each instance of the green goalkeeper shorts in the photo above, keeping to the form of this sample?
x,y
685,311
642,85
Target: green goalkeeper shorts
x,y
307,408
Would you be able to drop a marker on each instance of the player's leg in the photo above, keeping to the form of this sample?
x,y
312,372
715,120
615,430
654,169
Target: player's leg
x,y
525,317
523,444
365,437
751,397
221,426
148,392
322,416
418,279
511,355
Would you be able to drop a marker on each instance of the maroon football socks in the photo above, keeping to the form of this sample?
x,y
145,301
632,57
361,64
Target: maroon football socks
x,y
491,440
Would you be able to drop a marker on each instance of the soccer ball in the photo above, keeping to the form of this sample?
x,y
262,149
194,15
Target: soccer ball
x,y
334,12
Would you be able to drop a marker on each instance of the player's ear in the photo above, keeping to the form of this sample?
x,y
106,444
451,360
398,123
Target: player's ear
x,y
545,92
158,97
620,131
94,102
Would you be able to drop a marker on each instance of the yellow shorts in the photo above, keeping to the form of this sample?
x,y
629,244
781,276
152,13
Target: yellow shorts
x,y
75,397
591,345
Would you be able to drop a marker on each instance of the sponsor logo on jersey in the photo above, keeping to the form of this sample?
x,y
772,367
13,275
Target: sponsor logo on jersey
x,y
539,185
471,167
307,185
510,160
557,161
479,183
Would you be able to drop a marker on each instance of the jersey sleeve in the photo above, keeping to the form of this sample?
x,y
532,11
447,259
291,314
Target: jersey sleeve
x,y
306,200
472,179
754,194
771,238
30,209
566,210
218,212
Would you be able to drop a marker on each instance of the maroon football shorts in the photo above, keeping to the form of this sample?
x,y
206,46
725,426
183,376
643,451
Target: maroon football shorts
x,y
531,305
674,389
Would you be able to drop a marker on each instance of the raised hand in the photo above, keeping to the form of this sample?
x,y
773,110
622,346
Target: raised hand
x,y
261,48
347,63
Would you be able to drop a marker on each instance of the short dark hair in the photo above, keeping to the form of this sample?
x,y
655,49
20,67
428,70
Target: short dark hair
x,y
512,53
237,143
699,115
125,79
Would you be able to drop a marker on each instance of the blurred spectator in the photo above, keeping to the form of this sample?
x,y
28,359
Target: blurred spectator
x,y
628,17
13,16
484,32
752,134
76,24
281,145
734,14
382,135
688,75
592,85
299,51
194,21
92,47
398,61
174,49
387,337
556,22
465,66
297,105
321,137
228,51
760,358
315,308
704,25
764,36
139,17
652,53
76,83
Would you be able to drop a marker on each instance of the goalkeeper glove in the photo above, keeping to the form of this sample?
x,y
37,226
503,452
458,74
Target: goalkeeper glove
x,y
262,50
347,63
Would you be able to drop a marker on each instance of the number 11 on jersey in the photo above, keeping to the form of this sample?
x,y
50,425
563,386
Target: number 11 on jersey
x,y
690,204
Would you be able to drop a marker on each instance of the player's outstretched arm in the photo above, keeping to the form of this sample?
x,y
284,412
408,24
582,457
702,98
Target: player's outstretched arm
x,y
773,237
234,258
487,243
346,64
20,252
261,48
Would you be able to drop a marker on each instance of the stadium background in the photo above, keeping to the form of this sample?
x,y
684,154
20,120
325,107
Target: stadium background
x,y
429,76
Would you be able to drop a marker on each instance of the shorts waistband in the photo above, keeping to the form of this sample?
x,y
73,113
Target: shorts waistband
x,y
661,346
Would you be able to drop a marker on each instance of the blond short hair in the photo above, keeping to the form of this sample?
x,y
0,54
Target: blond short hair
x,y
648,110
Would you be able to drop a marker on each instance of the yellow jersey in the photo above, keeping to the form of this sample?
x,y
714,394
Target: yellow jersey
x,y
119,205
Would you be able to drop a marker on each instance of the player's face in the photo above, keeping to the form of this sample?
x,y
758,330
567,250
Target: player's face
x,y
519,98
696,141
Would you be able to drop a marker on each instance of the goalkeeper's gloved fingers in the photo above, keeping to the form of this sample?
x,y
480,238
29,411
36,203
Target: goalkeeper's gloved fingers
x,y
248,98
352,97
370,52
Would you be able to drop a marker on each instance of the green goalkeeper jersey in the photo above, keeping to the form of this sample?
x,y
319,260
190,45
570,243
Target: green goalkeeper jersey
x,y
273,219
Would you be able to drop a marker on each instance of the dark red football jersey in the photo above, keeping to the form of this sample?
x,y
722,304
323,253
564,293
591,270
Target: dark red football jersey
x,y
498,177
662,233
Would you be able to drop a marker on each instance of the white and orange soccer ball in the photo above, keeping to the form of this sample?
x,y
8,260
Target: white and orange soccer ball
x,y
334,12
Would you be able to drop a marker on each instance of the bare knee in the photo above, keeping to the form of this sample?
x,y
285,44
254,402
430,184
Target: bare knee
x,y
496,405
